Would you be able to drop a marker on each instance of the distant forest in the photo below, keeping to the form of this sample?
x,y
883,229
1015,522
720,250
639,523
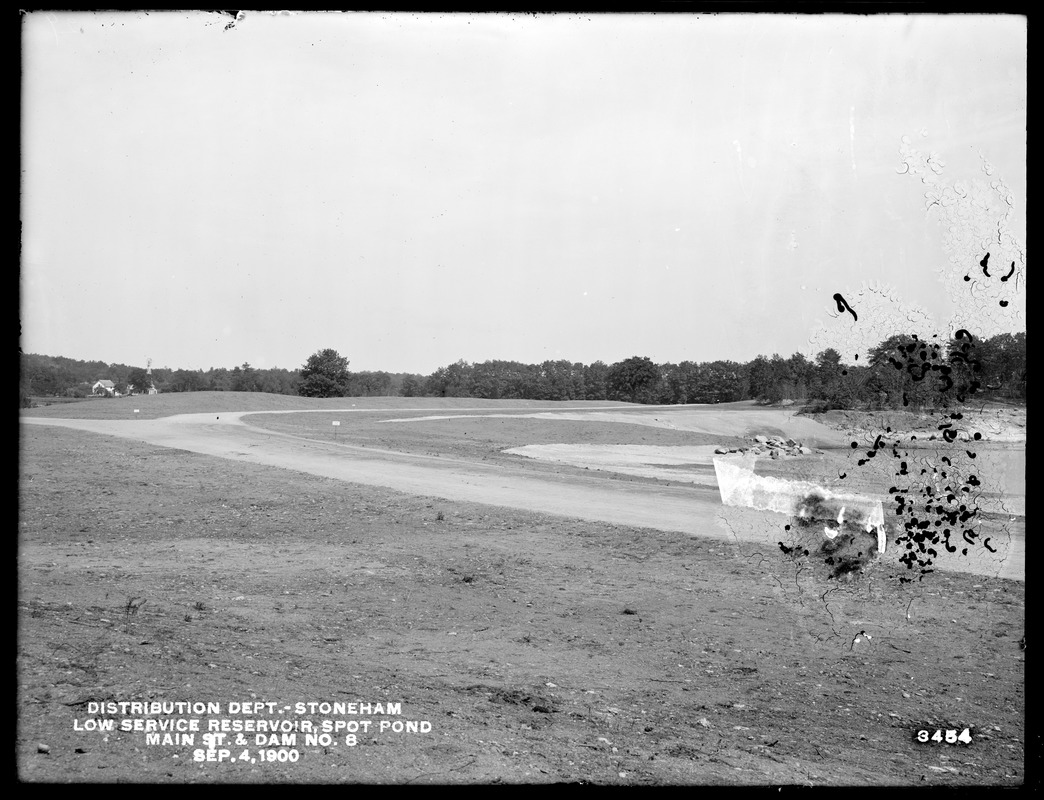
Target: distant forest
x,y
900,371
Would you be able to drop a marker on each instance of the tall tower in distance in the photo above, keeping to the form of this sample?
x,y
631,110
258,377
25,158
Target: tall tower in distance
x,y
148,371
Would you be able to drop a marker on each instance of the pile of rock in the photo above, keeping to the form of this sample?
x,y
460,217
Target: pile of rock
x,y
772,446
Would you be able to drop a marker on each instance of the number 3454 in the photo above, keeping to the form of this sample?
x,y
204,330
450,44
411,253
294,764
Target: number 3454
x,y
949,736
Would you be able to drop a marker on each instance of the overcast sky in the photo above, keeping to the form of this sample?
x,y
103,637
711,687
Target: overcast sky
x,y
415,189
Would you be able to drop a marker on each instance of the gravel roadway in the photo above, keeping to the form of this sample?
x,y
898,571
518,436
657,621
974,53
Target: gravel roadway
x,y
694,510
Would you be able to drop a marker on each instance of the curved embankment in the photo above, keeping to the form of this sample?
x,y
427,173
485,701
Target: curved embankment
x,y
693,510
727,421
226,436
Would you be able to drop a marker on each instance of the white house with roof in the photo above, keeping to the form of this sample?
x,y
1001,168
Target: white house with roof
x,y
104,387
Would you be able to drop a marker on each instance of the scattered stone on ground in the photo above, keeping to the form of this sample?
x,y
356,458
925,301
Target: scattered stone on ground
x,y
772,446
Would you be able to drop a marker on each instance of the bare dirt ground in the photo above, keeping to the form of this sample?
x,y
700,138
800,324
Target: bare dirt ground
x,y
541,648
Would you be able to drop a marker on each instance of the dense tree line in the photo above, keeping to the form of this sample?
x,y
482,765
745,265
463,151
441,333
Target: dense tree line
x,y
901,371
56,376
636,380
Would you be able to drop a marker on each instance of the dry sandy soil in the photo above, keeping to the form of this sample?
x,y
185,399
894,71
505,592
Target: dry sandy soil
x,y
553,620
